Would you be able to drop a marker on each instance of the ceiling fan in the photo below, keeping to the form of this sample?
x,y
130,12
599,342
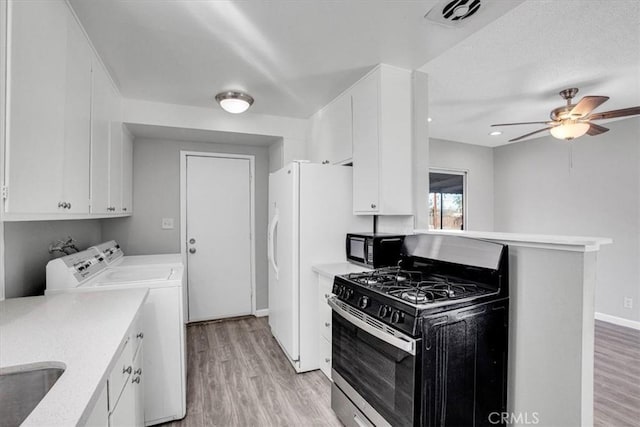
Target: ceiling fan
x,y
574,120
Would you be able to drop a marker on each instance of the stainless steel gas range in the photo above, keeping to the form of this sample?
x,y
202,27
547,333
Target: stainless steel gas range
x,y
423,343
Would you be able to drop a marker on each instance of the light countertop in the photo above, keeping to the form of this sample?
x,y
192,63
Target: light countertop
x,y
337,268
80,331
558,242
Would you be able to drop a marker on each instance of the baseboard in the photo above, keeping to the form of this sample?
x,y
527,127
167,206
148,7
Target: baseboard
x,y
618,321
261,313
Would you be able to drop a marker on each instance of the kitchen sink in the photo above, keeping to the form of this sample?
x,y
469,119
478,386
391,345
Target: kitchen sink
x,y
22,389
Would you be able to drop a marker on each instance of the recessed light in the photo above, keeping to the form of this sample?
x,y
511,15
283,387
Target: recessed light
x,y
429,119
495,133
234,102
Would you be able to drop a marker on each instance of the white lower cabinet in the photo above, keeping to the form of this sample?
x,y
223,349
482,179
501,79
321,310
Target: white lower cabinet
x,y
325,286
99,417
126,399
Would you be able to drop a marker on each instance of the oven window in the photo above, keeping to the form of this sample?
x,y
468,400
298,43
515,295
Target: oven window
x,y
381,373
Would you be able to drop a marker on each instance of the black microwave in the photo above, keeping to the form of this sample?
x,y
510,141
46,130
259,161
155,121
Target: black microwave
x,y
374,250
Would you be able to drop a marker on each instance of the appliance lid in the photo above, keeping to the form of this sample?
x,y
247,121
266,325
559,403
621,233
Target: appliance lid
x,y
125,275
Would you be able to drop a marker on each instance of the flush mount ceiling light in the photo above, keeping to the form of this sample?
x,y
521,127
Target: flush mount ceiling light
x,y
495,133
234,102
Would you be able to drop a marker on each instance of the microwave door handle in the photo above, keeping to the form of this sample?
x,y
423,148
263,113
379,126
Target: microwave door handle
x,y
403,343
271,247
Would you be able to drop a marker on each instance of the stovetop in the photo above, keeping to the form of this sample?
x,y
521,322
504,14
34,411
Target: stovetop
x,y
417,288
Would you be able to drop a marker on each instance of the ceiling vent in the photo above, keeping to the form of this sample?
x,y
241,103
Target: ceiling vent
x,y
453,13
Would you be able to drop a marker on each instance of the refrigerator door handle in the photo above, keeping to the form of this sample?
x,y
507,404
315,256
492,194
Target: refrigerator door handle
x,y
271,248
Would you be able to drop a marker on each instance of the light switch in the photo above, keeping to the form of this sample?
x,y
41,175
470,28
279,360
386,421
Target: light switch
x,y
167,223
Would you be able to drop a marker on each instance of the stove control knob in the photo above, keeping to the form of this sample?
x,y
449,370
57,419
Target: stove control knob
x,y
363,302
397,317
384,311
348,293
341,291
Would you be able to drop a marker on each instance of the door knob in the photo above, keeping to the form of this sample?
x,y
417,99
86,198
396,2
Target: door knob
x,y
192,250
192,241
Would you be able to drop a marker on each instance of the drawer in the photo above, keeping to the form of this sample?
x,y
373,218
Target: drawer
x,y
136,335
120,374
325,285
325,357
324,317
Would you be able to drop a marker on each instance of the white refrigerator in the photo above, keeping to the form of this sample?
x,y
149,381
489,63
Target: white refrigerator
x,y
310,212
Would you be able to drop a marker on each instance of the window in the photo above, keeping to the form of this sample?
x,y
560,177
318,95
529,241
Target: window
x,y
447,199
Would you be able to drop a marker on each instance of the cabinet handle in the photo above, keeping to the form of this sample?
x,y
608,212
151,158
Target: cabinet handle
x,y
124,209
140,335
327,360
61,204
136,380
326,162
327,324
68,205
138,371
373,205
327,296
127,370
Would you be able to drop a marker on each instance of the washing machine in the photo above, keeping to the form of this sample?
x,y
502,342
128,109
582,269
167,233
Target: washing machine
x,y
115,257
164,364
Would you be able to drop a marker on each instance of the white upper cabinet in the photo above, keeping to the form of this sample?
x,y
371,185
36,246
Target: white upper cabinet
x,y
127,172
106,145
48,114
331,132
64,149
382,180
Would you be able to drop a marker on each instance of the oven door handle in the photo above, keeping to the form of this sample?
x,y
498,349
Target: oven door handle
x,y
401,341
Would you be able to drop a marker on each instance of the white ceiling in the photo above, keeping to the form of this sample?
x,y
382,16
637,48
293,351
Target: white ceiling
x,y
506,63
293,57
513,69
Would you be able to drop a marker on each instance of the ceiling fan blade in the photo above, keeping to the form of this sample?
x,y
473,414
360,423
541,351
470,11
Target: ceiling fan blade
x,y
595,129
524,123
631,111
529,134
587,105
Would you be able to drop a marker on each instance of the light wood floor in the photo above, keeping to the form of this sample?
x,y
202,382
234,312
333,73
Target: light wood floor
x,y
238,376
617,376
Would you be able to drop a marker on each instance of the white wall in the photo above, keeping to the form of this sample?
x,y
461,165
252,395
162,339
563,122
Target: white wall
x,y
292,131
27,253
156,195
478,162
537,191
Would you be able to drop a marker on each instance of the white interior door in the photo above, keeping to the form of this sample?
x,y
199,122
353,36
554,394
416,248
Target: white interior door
x,y
218,226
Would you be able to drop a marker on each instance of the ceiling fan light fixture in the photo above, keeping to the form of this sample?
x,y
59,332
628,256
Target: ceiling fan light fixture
x,y
569,129
234,102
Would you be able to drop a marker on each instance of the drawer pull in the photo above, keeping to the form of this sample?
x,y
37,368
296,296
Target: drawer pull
x,y
140,335
138,371
127,370
327,360
327,324
136,380
327,296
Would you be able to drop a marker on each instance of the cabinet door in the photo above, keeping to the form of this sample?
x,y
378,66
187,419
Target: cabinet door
x,y
124,414
99,416
100,130
339,129
77,123
115,166
138,387
127,172
36,97
365,98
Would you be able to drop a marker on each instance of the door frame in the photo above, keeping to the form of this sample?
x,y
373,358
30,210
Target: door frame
x,y
183,218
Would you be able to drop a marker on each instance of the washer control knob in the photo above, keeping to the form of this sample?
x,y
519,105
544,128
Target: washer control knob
x,y
363,302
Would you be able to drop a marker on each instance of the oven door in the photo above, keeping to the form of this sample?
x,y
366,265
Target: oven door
x,y
378,371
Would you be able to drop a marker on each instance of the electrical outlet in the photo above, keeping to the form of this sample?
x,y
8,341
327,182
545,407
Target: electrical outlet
x,y
167,223
628,302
